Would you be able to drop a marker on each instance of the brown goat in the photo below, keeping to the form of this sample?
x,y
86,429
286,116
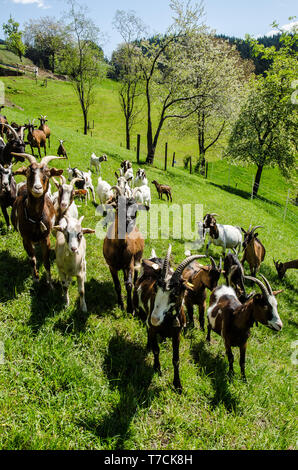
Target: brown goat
x,y
43,127
163,189
33,213
232,320
61,150
36,138
199,278
158,300
281,268
124,244
254,250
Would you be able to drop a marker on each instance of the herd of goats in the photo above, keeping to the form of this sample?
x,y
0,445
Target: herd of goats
x,y
158,294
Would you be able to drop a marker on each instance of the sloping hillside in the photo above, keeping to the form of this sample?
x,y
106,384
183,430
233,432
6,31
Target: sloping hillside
x,y
85,381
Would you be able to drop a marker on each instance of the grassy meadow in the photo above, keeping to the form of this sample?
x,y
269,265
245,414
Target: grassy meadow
x,y
84,381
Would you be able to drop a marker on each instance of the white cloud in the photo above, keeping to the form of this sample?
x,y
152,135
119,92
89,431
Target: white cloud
x,y
286,27
38,3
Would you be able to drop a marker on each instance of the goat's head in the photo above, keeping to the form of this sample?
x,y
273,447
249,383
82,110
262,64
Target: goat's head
x,y
122,183
141,174
42,119
30,126
5,179
73,233
169,289
209,222
280,269
125,165
250,235
16,142
66,192
265,304
38,174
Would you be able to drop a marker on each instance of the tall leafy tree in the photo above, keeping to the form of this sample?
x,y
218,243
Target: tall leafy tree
x,y
266,132
82,60
14,38
131,28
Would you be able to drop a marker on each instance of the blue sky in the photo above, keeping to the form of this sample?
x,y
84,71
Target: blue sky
x,y
231,17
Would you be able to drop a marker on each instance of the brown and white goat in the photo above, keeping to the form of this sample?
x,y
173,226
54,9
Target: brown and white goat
x,y
43,127
232,320
254,250
282,268
199,278
124,244
163,189
33,213
36,138
158,299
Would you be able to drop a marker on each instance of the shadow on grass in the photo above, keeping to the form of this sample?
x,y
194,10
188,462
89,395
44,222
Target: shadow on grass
x,y
125,367
216,369
45,302
241,193
13,273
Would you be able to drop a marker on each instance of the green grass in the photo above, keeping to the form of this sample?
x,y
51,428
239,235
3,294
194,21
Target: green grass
x,y
9,58
84,381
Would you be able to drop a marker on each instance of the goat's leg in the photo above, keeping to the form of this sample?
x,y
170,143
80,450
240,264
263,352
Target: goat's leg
x,y
242,360
153,345
92,192
81,289
230,359
176,344
208,339
65,284
29,248
45,147
6,216
202,307
128,277
114,274
46,248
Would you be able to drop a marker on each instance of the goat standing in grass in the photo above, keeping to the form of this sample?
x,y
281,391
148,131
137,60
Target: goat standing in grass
x,y
71,256
232,320
254,250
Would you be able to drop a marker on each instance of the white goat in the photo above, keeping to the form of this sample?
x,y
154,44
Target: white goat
x,y
103,190
140,179
71,256
226,236
96,162
63,201
142,194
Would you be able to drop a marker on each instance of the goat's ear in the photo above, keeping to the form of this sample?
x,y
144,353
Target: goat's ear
x,y
188,286
20,171
87,230
150,264
256,234
277,292
55,172
243,230
142,207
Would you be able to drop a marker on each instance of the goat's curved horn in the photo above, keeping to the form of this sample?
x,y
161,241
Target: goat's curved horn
x,y
135,191
166,263
213,262
117,189
267,284
259,283
74,181
12,130
215,215
256,227
25,155
177,274
46,160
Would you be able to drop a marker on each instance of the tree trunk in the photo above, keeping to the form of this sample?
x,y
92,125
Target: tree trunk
x,y
127,134
257,180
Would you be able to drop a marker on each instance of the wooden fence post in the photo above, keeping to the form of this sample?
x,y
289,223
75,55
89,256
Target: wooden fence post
x,y
173,162
138,147
166,156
